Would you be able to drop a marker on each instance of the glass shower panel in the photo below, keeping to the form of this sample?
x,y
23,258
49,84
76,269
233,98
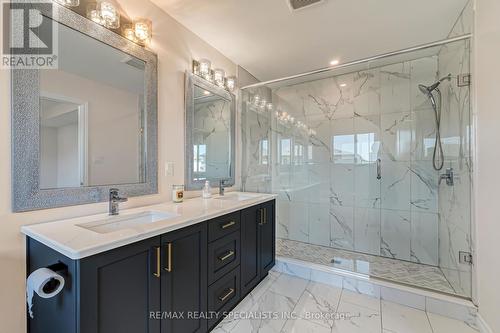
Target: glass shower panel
x,y
350,157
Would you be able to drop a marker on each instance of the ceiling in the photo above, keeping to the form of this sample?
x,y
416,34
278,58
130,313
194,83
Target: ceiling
x,y
270,41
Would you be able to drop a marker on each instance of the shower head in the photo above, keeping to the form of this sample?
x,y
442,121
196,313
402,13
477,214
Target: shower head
x,y
429,89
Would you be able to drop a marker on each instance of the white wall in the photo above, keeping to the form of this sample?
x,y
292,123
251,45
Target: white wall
x,y
176,47
68,167
487,70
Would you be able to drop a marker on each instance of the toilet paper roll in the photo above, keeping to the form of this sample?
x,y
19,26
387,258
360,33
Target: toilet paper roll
x,y
45,282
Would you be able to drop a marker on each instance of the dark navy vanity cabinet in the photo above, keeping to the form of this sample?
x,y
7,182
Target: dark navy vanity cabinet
x,y
178,282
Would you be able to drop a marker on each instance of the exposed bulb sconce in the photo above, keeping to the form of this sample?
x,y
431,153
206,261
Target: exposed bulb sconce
x,y
143,29
68,3
104,13
231,83
219,75
139,31
203,68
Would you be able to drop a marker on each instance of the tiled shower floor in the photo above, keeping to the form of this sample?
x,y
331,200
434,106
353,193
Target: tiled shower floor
x,y
398,271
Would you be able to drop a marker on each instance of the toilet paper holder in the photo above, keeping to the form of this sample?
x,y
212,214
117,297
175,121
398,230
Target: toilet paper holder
x,y
60,268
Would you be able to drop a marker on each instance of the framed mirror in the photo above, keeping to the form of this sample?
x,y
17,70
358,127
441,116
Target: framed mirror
x,y
210,133
87,126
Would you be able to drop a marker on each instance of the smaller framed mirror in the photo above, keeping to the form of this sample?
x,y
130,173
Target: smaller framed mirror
x,y
210,133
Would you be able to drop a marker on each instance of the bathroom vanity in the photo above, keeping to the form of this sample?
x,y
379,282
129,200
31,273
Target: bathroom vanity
x,y
164,268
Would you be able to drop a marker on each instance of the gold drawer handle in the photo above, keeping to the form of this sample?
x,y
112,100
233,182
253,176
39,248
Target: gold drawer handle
x,y
227,225
229,293
158,263
169,258
227,256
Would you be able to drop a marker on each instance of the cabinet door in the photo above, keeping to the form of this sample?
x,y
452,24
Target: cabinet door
x,y
250,248
119,290
267,238
184,280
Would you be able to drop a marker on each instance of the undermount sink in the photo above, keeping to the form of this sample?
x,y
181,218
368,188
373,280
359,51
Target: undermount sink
x,y
237,196
115,223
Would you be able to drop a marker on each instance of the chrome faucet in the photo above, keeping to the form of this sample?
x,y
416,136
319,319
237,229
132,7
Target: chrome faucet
x,y
222,185
114,201
449,176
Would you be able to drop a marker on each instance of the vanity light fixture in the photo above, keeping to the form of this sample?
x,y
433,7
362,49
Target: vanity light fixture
x,y
68,3
94,14
219,77
269,106
203,68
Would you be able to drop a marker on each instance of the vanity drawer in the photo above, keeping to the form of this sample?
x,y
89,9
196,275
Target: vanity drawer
x,y
223,256
223,295
222,226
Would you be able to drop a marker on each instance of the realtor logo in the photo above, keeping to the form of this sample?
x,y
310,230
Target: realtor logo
x,y
29,38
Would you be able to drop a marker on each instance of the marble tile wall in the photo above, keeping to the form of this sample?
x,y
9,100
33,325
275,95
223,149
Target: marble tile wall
x,y
455,201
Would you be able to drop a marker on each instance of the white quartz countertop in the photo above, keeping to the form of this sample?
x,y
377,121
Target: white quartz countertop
x,y
76,242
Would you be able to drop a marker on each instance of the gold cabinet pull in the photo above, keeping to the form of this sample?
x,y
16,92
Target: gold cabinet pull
x,y
227,225
158,263
169,258
265,216
229,293
261,216
226,256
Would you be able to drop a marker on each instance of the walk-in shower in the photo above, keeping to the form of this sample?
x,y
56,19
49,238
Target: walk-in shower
x,y
353,154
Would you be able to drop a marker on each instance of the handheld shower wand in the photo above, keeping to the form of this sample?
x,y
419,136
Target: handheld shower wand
x,y
437,156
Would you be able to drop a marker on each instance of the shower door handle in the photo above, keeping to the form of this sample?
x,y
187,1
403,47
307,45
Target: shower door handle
x,y
379,169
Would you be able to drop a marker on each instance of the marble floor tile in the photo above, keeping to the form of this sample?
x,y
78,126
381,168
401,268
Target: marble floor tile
x,y
319,299
324,308
401,319
304,326
354,318
289,286
442,324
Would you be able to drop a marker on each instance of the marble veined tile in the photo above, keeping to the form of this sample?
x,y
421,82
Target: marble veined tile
x,y
424,187
442,324
424,238
319,224
342,184
356,318
401,319
366,92
395,88
367,230
289,286
269,302
395,232
342,227
304,326
319,298
396,135
395,185
367,188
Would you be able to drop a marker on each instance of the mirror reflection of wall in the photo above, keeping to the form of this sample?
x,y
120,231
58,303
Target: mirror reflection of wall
x,y
109,85
211,136
62,143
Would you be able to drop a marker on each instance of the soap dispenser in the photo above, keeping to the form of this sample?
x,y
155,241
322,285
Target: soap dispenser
x,y
207,190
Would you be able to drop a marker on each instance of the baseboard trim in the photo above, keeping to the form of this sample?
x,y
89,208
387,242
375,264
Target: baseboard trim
x,y
482,325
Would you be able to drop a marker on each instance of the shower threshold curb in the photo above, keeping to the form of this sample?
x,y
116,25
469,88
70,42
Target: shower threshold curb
x,y
444,304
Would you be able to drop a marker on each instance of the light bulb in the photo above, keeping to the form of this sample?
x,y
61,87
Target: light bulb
x,y
143,30
205,67
219,77
109,15
231,83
